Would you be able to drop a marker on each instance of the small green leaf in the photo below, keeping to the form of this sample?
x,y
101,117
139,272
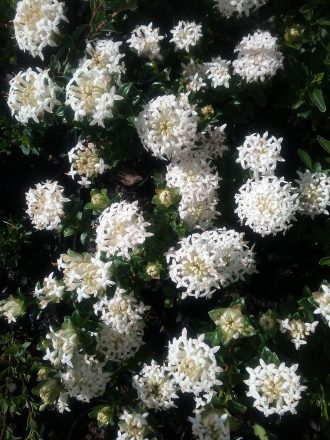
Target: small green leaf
x,y
324,143
269,356
236,406
316,96
325,261
305,157
260,432
69,231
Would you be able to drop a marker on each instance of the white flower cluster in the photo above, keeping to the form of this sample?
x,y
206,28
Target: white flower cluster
x,y
155,387
36,23
258,57
64,344
121,335
85,379
186,35
92,89
85,162
193,366
145,41
210,425
12,308
239,7
323,301
208,261
133,426
267,205
313,193
121,229
45,205
232,323
297,329
212,141
87,275
275,390
216,71
260,154
51,291
31,94
167,125
122,311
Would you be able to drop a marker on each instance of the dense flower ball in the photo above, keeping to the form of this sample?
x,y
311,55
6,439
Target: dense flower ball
x,y
313,193
275,390
198,211
208,261
104,56
92,93
186,35
133,426
239,7
210,425
167,125
145,41
45,205
51,291
193,365
31,94
258,57
85,274
85,162
322,299
155,387
298,330
217,71
36,23
85,379
267,205
259,153
121,229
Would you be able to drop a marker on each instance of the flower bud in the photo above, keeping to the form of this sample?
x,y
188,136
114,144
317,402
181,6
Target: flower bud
x,y
104,416
167,197
267,322
293,34
207,111
153,270
12,308
99,199
49,392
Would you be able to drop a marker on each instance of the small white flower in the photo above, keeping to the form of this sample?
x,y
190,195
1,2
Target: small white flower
x,y
297,329
85,161
85,379
121,229
145,41
194,75
210,425
186,35
133,426
31,94
36,23
217,71
64,344
45,205
260,154
155,387
12,308
323,300
212,141
258,57
313,193
87,275
239,7
51,291
167,125
208,261
275,390
193,365
267,205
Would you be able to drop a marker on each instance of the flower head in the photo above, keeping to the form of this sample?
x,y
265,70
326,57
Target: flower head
x,y
31,94
63,345
268,205
51,291
145,41
217,71
297,329
186,35
208,261
275,390
322,299
313,193
104,56
167,125
121,229
133,426
258,57
239,7
45,205
12,308
36,23
210,425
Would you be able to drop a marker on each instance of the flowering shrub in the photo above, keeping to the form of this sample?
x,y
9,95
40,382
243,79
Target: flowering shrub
x,y
164,256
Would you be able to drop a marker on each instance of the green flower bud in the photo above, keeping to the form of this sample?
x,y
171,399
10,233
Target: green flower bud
x,y
99,199
167,197
104,416
12,308
49,392
153,270
268,322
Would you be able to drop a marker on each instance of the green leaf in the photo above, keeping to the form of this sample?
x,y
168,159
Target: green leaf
x,y
325,261
316,96
69,231
236,406
260,432
305,157
324,143
269,356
